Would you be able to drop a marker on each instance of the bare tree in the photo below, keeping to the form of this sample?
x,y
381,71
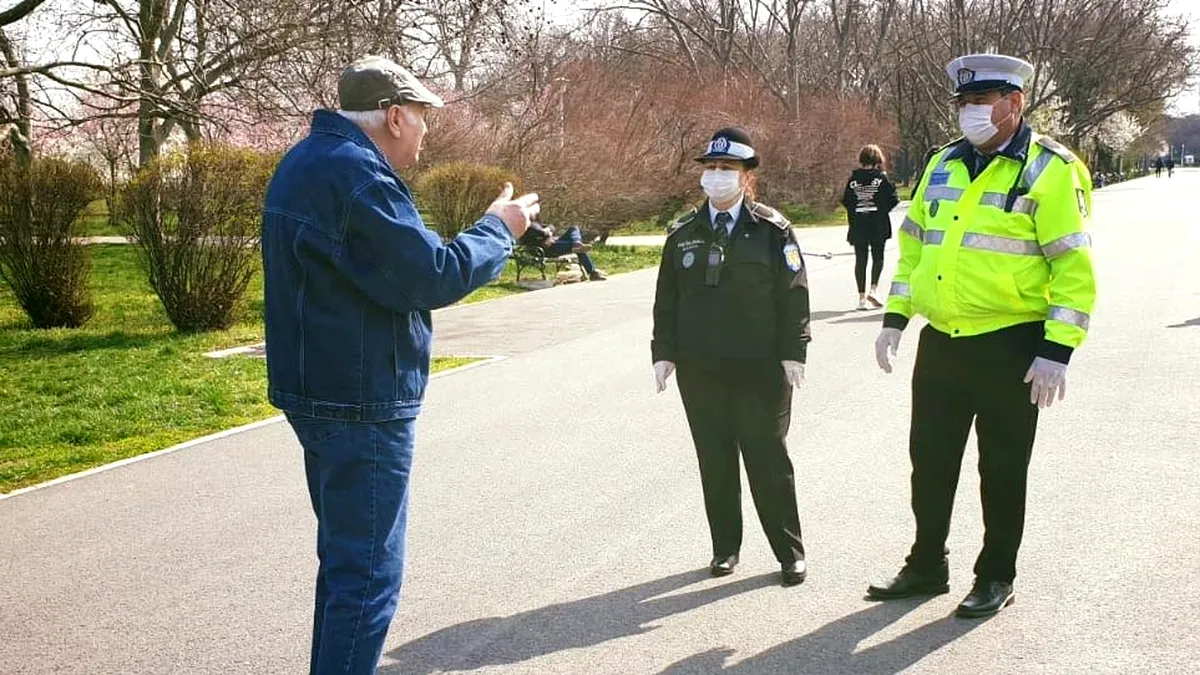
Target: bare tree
x,y
169,56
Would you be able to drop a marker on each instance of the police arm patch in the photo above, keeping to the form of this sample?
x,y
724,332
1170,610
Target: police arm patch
x,y
791,256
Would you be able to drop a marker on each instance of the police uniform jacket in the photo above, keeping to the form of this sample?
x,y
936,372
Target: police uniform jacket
x,y
759,309
992,243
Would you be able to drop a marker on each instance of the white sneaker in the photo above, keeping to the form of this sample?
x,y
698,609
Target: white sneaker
x,y
862,304
875,303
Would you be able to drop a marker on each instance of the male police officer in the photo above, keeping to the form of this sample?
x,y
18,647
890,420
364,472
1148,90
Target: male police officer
x,y
995,256
351,274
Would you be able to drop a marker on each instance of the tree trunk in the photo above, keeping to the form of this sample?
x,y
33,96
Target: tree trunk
x,y
20,136
151,14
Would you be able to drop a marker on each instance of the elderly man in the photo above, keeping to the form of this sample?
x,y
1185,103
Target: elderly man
x,y
351,275
995,255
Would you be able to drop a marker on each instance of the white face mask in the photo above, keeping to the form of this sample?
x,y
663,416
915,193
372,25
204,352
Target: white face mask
x,y
975,120
721,185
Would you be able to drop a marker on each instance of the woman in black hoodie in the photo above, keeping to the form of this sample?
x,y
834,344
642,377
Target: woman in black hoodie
x,y
868,198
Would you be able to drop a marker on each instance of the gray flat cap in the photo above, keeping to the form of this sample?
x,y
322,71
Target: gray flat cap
x,y
374,82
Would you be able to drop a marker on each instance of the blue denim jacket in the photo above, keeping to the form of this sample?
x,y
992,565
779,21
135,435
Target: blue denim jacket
x,y
351,274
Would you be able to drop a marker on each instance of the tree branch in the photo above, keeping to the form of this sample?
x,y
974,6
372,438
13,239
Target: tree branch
x,y
20,11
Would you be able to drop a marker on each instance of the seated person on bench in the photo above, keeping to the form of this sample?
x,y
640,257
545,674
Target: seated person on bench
x,y
570,242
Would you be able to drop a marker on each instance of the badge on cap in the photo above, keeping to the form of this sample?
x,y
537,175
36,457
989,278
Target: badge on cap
x,y
791,255
965,75
720,145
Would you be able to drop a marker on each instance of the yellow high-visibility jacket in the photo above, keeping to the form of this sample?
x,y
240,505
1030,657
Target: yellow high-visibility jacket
x,y
970,266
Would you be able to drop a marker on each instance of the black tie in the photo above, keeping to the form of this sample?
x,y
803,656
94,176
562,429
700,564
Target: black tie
x,y
722,233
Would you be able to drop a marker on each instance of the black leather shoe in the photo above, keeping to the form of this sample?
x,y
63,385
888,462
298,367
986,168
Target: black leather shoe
x,y
985,599
722,566
794,573
909,583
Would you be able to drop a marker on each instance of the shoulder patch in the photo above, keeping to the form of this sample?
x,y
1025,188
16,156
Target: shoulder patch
x,y
683,220
792,257
1057,148
764,212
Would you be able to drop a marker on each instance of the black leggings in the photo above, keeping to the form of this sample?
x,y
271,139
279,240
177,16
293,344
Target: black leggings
x,y
860,264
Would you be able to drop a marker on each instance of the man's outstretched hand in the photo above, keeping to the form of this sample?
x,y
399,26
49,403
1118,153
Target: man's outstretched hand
x,y
517,213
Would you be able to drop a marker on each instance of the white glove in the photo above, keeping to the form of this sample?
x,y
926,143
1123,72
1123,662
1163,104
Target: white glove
x,y
1046,378
888,341
662,370
794,372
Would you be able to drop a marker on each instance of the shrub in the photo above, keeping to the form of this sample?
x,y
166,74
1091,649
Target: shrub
x,y
455,195
195,215
40,259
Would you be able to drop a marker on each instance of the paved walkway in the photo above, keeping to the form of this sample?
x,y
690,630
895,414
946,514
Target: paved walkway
x,y
557,522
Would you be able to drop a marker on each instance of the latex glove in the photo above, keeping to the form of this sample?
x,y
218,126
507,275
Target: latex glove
x,y
794,372
662,370
1046,378
887,342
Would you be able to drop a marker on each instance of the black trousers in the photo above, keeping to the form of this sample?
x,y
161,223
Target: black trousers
x,y
746,406
860,263
957,382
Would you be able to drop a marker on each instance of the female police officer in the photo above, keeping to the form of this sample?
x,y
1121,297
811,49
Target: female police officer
x,y
731,313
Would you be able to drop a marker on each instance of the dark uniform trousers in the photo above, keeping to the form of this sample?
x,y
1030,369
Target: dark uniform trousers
x,y
956,382
743,405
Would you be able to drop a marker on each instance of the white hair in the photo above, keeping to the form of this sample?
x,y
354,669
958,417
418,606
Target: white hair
x,y
376,120
368,120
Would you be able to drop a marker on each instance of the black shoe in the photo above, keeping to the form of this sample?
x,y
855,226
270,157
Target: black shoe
x,y
909,583
985,599
722,566
597,276
794,573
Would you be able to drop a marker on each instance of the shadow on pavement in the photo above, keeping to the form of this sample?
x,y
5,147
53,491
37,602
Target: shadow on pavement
x,y
824,315
570,625
830,650
1186,324
874,316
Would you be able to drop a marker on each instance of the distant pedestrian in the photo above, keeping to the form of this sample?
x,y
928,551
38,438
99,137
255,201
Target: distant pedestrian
x,y
1158,167
869,197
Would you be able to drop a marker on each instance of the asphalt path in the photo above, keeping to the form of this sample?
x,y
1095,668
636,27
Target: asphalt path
x,y
557,524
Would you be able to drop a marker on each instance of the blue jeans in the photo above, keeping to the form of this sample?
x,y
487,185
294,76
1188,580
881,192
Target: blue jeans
x,y
567,241
358,482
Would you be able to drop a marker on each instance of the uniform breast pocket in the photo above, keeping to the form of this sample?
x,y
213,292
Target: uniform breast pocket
x,y
750,262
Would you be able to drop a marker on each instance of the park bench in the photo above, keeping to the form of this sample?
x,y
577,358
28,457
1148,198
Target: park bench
x,y
534,256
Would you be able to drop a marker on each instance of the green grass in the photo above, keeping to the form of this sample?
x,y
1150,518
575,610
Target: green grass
x,y
93,222
610,259
803,215
123,385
